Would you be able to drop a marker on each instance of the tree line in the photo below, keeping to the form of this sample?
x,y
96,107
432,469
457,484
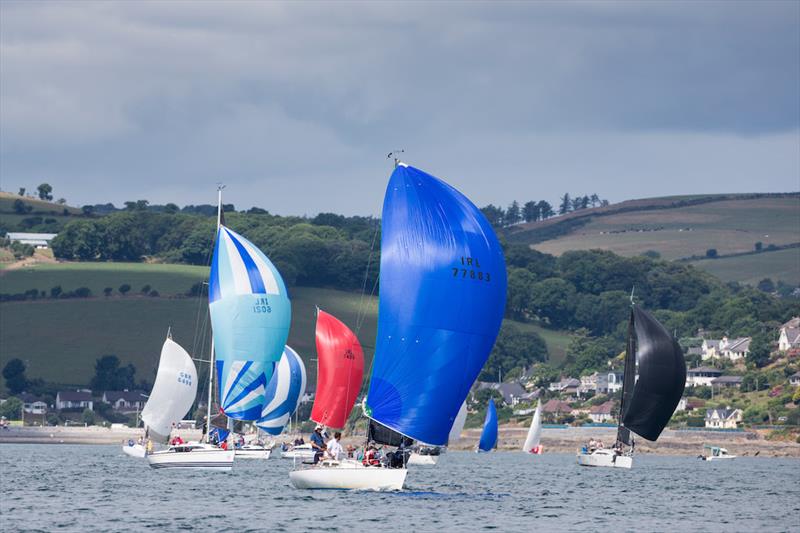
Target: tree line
x,y
533,211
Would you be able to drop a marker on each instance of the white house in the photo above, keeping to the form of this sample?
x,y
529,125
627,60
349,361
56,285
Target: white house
x,y
602,413
710,349
613,382
681,404
81,399
794,379
124,400
723,418
702,375
724,382
37,240
736,349
33,405
790,335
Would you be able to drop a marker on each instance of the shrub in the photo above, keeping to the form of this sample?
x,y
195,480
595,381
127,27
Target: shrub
x,y
124,288
711,253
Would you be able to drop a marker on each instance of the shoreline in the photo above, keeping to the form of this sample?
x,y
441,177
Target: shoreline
x,y
566,440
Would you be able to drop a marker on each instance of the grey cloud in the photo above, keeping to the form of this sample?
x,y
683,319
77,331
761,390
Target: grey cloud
x,y
295,104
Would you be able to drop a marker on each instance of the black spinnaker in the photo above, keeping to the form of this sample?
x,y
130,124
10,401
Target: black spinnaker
x,y
649,402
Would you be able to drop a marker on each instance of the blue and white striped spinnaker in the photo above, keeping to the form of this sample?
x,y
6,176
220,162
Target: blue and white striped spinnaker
x,y
250,316
287,386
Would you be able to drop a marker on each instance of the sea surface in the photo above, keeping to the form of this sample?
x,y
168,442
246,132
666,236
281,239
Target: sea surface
x,y
98,488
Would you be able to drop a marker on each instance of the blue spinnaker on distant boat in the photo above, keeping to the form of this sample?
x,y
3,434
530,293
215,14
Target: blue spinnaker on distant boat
x,y
250,316
287,386
442,296
489,433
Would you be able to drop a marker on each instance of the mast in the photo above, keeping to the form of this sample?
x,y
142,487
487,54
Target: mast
x,y
628,379
211,355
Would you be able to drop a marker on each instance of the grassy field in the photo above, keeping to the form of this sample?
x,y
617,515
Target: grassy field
x,y
38,207
61,339
166,279
779,265
730,226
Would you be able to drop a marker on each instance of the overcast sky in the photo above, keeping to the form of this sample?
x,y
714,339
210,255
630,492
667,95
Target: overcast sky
x,y
295,106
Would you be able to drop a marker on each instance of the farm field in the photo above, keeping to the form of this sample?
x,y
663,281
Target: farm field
x,y
133,327
730,226
778,265
167,279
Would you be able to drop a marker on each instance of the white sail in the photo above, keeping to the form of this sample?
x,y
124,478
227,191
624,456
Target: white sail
x,y
173,392
535,432
458,424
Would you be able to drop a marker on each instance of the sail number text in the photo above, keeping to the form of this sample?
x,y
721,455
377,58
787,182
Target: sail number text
x,y
470,268
184,378
262,305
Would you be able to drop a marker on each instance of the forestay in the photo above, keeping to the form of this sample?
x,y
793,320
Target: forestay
x,y
442,296
250,315
173,392
285,389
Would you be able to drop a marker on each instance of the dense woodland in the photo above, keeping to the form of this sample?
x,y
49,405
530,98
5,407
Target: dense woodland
x,y
586,292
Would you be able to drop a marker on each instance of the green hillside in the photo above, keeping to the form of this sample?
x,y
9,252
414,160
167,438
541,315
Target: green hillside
x,y
167,279
40,216
61,339
778,265
680,227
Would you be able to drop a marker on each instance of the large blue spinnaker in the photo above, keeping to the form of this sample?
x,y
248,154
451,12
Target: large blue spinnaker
x,y
442,296
287,386
250,316
489,434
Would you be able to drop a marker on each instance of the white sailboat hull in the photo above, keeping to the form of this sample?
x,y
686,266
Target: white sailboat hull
x,y
418,459
136,450
302,452
255,452
196,459
606,458
719,457
349,475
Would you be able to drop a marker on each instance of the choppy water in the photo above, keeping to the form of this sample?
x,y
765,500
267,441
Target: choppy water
x,y
97,488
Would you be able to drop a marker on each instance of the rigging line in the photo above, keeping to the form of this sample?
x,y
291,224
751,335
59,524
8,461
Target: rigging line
x,y
366,277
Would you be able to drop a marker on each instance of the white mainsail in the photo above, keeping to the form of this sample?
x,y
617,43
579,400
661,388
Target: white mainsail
x,y
458,424
173,392
535,432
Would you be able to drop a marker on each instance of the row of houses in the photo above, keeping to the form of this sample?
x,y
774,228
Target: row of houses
x,y
122,401
737,349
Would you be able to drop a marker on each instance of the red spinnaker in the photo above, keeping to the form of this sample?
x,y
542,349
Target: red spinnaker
x,y
340,369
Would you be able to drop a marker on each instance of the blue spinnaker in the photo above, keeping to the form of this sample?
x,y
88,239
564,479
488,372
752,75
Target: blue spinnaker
x,y
250,316
287,386
442,296
489,433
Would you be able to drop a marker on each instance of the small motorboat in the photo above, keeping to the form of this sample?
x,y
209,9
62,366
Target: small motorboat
x,y
254,451
133,449
604,457
192,455
715,453
424,456
301,451
348,474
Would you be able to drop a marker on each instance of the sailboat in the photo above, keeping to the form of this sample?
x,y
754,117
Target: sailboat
x,y
649,401
429,456
283,394
340,371
250,316
489,434
441,302
534,433
172,395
